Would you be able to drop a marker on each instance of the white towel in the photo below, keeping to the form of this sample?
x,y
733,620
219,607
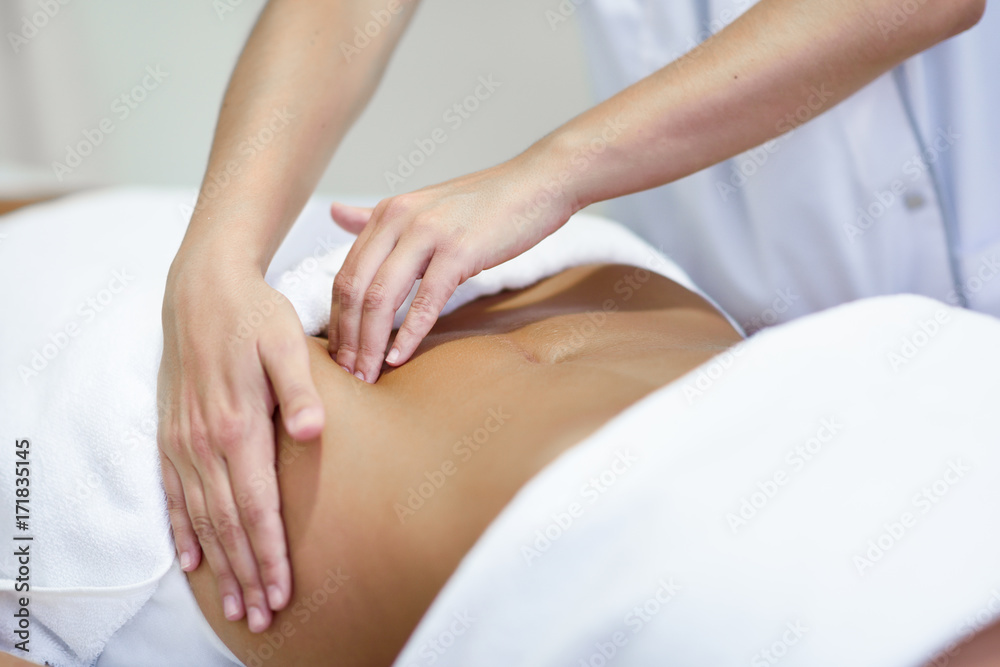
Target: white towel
x,y
81,338
83,283
585,239
823,495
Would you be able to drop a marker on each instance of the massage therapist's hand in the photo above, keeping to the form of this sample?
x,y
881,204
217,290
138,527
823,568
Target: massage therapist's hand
x,y
233,349
444,234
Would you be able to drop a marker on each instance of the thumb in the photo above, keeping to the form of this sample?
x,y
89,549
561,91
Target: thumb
x,y
351,218
286,363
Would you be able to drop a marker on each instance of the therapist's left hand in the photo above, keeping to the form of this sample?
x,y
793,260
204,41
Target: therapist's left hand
x,y
444,234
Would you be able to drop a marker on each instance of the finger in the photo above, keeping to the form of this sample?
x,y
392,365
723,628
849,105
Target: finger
x,y
218,562
188,549
333,327
350,288
388,291
255,484
332,338
350,218
230,534
286,362
440,281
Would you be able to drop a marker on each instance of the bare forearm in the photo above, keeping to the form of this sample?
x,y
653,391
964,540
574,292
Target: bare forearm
x,y
8,660
741,88
299,84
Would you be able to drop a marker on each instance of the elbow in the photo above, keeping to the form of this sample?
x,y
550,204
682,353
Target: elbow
x,y
935,20
963,14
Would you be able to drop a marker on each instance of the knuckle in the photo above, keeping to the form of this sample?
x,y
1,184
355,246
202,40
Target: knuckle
x,y
168,435
274,556
376,297
396,207
425,225
203,529
347,288
169,443
270,564
380,207
227,432
453,248
423,306
199,446
229,531
254,516
165,428
347,348
175,502
368,351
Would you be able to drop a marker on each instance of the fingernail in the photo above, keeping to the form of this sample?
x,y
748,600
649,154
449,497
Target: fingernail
x,y
274,597
255,619
230,607
306,418
348,370
186,561
359,375
392,356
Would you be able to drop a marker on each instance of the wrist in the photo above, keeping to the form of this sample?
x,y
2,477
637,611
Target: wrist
x,y
220,239
207,258
546,171
573,161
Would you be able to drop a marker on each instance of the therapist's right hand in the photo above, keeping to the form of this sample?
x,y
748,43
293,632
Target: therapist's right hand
x,y
233,350
441,235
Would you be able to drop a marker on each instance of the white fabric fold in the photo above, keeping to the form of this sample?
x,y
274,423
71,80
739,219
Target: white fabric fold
x,y
823,495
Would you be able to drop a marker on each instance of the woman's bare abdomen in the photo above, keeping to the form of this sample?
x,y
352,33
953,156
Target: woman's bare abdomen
x,y
410,471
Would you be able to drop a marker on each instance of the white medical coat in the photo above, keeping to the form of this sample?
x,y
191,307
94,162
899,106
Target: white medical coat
x,y
896,189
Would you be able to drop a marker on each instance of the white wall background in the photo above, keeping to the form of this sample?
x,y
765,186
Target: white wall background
x,y
65,77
